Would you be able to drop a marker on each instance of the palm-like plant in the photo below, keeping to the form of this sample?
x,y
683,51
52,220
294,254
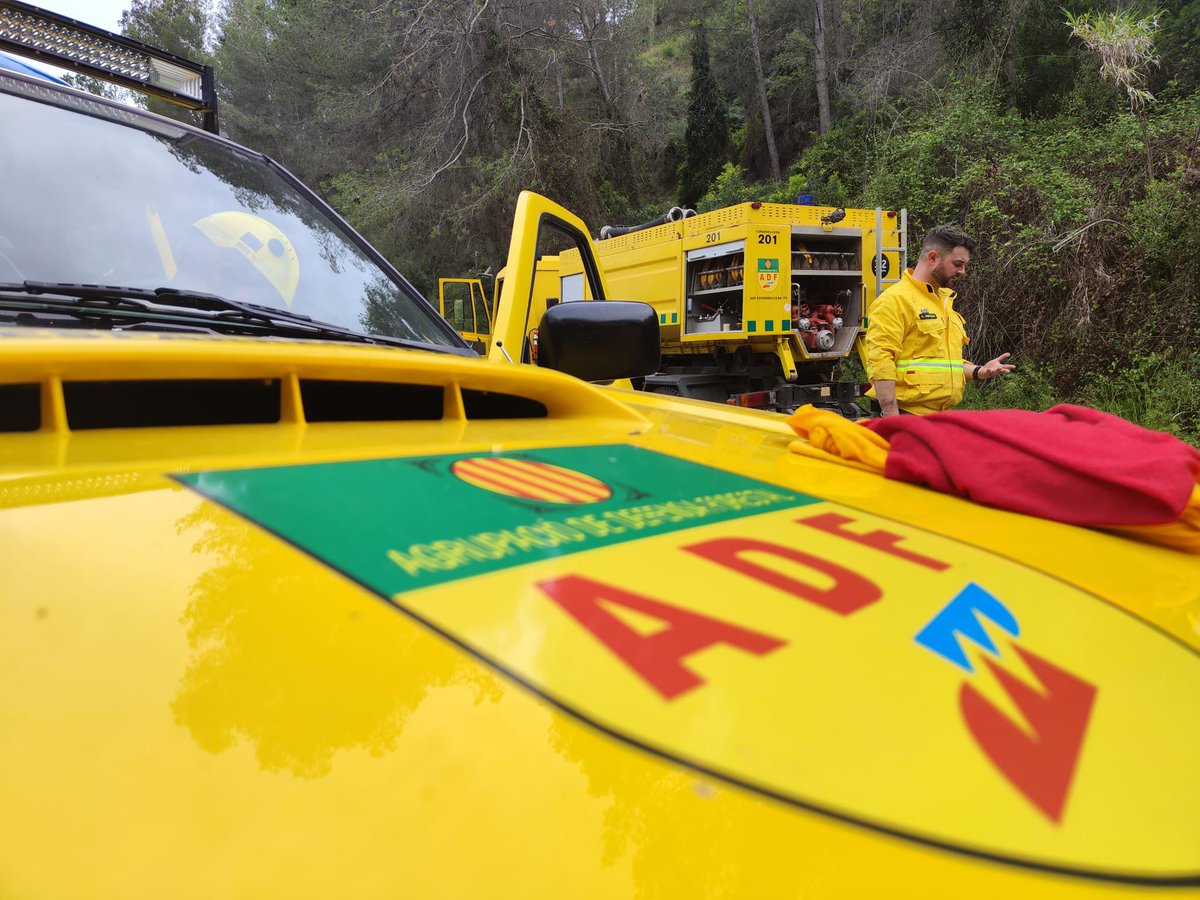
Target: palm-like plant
x,y
1124,41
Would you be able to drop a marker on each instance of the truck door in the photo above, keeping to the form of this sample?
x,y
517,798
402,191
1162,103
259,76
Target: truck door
x,y
541,231
463,304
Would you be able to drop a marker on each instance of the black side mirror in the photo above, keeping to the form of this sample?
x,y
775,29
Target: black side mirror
x,y
600,340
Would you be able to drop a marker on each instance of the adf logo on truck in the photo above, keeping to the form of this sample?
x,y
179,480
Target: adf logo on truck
x,y
768,273
816,654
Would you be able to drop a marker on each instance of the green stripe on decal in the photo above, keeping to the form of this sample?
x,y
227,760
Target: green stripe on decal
x,y
751,326
400,524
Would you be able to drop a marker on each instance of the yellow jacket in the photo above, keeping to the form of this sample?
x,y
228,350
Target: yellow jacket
x,y
916,338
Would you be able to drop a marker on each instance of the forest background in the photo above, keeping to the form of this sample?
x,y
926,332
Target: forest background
x,y
421,121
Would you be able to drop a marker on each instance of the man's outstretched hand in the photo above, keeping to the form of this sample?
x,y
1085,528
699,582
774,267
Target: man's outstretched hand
x,y
994,367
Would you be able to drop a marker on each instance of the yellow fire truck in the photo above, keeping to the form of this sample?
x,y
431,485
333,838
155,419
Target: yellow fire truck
x,y
756,303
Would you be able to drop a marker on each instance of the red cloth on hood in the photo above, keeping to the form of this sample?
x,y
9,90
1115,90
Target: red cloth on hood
x,y
1070,464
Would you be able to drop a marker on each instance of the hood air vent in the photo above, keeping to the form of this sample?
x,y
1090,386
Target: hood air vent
x,y
374,401
370,401
20,407
56,384
492,405
168,403
151,404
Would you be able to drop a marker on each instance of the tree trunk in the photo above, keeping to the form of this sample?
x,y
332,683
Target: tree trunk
x,y
821,63
591,27
768,129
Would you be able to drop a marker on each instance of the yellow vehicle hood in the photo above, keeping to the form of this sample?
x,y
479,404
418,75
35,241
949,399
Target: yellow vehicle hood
x,y
555,641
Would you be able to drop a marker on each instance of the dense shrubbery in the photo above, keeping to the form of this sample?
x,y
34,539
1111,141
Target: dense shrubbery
x,y
1155,390
1088,272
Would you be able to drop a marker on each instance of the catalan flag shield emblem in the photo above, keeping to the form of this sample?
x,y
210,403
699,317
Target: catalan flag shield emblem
x,y
530,480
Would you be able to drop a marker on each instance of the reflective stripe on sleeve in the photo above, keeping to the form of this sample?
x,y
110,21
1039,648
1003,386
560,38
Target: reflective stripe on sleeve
x,y
938,364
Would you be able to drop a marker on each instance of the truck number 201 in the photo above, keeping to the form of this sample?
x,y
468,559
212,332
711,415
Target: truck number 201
x,y
768,239
712,237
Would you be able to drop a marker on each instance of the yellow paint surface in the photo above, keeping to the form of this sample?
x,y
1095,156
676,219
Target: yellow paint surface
x,y
194,708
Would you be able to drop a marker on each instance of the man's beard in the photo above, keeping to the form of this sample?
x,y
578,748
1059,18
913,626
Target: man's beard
x,y
943,279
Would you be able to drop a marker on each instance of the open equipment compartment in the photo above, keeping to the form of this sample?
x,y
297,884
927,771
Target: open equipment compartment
x,y
827,290
715,280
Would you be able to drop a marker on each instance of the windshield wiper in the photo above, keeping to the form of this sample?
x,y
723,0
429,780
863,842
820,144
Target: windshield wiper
x,y
172,305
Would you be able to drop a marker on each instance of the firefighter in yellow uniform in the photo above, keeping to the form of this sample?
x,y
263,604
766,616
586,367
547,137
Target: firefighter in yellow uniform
x,y
915,337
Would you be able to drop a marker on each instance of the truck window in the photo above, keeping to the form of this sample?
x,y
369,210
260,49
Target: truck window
x,y
572,287
459,308
110,198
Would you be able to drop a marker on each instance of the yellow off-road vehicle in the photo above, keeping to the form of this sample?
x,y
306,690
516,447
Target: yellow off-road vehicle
x,y
300,598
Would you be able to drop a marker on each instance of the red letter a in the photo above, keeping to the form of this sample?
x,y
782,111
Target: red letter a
x,y
658,658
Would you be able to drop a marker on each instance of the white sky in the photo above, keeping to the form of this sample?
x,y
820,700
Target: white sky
x,y
104,14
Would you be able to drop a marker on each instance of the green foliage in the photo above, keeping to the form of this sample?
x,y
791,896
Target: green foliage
x,y
1084,263
1161,236
1029,386
1155,390
1180,41
1024,44
707,134
1124,41
729,189
619,208
178,26
732,187
850,369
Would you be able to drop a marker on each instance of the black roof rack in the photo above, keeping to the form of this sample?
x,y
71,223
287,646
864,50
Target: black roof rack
x,y
31,31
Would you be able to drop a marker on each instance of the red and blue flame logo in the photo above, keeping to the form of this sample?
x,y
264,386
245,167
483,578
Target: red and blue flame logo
x,y
1038,757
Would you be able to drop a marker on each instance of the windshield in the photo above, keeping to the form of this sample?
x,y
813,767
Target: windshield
x,y
96,195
